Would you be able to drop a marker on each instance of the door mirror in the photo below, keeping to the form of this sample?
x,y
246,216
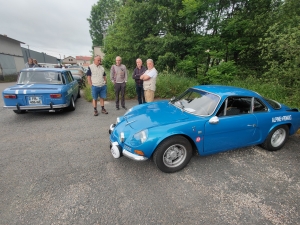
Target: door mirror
x,y
214,120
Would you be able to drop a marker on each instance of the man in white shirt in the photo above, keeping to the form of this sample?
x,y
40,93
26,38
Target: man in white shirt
x,y
149,81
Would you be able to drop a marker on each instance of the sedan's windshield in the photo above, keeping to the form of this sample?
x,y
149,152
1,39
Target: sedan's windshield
x,y
197,102
44,77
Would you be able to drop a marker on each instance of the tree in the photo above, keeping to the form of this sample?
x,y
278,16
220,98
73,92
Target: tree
x,y
103,15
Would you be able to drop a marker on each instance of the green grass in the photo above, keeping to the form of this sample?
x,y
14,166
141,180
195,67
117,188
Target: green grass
x,y
169,85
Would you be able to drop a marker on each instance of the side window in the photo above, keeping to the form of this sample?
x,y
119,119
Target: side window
x,y
63,78
69,77
235,106
259,106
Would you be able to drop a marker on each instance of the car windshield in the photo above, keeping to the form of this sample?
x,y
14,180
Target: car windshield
x,y
274,104
74,71
40,77
197,102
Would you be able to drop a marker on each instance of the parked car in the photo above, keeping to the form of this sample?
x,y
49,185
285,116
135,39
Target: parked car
x,y
206,119
80,81
76,67
42,89
79,75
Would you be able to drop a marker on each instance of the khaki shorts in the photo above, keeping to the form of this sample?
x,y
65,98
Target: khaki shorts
x,y
149,95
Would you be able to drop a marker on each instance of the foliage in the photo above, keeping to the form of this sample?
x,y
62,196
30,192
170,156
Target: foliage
x,y
257,38
280,46
223,72
102,16
171,84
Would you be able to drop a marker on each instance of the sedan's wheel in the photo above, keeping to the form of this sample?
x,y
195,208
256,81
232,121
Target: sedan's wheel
x,y
276,138
173,154
19,111
72,106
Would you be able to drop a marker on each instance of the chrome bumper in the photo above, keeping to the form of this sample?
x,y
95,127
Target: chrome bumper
x,y
36,107
134,156
117,152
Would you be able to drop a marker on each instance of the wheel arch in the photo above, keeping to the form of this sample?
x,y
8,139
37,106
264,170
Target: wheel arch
x,y
194,148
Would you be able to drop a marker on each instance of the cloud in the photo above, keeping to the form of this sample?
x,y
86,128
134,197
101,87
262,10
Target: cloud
x,y
54,27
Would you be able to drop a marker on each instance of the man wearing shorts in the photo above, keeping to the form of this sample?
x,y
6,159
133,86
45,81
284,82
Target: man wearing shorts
x,y
97,80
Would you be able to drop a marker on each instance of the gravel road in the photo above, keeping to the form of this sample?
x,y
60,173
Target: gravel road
x,y
56,168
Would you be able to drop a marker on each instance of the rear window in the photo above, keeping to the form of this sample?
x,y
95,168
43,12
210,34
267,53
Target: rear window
x,y
273,104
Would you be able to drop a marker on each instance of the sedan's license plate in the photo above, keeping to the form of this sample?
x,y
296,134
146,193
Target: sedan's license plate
x,y
35,100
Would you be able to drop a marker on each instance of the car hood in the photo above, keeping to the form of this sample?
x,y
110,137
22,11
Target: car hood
x,y
153,114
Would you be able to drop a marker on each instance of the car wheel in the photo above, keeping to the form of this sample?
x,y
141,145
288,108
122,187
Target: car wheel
x,y
276,138
78,95
72,105
19,111
173,154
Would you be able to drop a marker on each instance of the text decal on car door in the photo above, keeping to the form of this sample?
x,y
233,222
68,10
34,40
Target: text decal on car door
x,y
281,118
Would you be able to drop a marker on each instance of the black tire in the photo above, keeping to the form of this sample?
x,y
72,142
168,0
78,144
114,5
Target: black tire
x,y
78,95
173,154
276,138
19,111
72,105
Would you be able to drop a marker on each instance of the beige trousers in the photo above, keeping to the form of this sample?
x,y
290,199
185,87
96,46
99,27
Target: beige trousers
x,y
149,95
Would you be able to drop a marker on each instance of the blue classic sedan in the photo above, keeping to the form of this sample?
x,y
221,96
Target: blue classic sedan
x,y
206,119
42,89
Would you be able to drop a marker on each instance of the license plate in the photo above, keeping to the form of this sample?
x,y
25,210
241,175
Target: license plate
x,y
35,100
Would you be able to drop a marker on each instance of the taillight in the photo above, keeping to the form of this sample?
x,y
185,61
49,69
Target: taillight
x,y
10,96
55,95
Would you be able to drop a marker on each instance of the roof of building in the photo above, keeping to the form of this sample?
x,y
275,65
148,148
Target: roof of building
x,y
5,36
85,58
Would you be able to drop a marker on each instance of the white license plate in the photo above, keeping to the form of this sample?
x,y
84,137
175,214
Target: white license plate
x,y
35,100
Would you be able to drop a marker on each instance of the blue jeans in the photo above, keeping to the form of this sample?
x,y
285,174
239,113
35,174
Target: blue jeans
x,y
99,92
140,94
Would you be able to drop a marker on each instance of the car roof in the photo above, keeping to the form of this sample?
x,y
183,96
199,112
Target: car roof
x,y
224,91
39,69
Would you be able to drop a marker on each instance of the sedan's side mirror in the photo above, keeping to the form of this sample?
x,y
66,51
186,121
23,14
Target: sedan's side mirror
x,y
214,120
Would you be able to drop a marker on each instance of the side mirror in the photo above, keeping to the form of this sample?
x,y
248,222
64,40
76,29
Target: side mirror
x,y
214,120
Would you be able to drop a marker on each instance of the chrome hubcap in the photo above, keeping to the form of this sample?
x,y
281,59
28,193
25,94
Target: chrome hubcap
x,y
278,137
174,155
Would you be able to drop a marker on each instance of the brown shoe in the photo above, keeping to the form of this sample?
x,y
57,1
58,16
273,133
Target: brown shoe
x,y
104,111
95,112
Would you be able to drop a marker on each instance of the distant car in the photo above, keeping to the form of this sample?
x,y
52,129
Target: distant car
x,y
79,75
80,81
42,89
206,119
76,66
76,71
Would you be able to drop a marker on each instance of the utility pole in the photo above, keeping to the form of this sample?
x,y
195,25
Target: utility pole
x,y
28,51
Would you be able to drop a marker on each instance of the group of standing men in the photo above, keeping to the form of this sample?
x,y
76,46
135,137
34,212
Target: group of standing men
x,y
31,63
145,80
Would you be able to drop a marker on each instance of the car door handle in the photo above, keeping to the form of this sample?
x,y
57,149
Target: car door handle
x,y
251,125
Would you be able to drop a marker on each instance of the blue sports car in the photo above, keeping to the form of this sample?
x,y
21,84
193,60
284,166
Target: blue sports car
x,y
206,119
42,89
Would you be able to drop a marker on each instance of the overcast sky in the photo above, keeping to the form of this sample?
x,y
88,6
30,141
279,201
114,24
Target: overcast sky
x,y
51,26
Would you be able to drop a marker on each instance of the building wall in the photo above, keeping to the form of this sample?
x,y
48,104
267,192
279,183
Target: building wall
x,y
98,51
69,60
41,57
10,47
11,57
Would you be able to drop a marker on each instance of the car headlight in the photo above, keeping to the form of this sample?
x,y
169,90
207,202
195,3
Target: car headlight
x,y
139,137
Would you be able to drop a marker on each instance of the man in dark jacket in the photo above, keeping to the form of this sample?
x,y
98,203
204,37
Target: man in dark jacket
x,y
138,71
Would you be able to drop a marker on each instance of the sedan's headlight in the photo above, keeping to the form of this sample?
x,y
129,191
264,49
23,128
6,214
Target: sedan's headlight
x,y
139,137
